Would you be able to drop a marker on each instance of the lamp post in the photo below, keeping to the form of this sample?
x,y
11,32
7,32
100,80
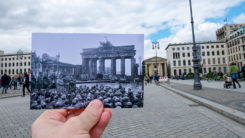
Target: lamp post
x,y
197,83
19,55
155,46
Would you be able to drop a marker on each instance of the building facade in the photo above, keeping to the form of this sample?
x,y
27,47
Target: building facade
x,y
155,65
213,57
236,47
223,34
12,65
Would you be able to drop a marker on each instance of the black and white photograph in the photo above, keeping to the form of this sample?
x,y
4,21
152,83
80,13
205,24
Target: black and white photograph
x,y
68,70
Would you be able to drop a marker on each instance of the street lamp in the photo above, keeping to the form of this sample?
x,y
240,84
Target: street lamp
x,y
197,83
155,46
19,55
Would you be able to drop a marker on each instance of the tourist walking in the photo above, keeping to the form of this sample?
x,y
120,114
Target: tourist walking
x,y
26,83
243,71
234,75
4,83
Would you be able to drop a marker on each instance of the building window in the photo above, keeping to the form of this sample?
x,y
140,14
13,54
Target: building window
x,y
184,63
1,64
217,53
17,71
212,46
204,70
189,70
179,63
213,53
24,70
173,49
9,59
9,64
202,47
178,48
9,71
6,65
203,53
183,54
188,48
29,63
21,64
217,46
29,57
6,59
24,63
189,62
222,46
218,60
219,69
223,52
12,71
183,48
204,61
175,72
180,72
13,64
209,62
223,60
17,64
1,71
174,63
208,53
207,47
13,58
24,57
188,54
213,60
1,59
209,69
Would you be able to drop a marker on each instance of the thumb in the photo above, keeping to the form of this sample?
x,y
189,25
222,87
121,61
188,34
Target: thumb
x,y
88,118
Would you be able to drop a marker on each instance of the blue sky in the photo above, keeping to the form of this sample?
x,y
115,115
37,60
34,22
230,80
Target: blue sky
x,y
230,14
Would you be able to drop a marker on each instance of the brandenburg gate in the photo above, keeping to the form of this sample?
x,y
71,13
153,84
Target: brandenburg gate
x,y
107,51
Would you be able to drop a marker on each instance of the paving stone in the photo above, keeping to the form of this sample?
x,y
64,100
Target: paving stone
x,y
164,115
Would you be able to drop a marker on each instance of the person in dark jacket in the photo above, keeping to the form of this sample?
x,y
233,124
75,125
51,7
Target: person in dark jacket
x,y
4,83
243,71
26,84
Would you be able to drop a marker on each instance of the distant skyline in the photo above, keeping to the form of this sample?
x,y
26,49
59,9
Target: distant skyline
x,y
166,21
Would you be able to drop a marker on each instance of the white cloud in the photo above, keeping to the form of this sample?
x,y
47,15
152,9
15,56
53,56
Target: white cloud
x,y
240,18
19,18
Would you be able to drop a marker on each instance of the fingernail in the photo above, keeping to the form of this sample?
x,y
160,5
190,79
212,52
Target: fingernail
x,y
97,104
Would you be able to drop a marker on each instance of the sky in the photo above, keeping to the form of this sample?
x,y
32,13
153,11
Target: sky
x,y
70,46
165,21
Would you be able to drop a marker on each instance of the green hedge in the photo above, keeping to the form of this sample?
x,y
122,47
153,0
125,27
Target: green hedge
x,y
190,75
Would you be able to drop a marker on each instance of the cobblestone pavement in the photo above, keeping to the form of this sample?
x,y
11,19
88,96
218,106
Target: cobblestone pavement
x,y
165,114
213,84
10,93
235,100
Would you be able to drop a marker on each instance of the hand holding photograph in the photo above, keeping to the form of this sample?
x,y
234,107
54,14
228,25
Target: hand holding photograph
x,y
70,70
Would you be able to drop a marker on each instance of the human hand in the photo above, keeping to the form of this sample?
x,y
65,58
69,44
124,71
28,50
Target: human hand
x,y
78,123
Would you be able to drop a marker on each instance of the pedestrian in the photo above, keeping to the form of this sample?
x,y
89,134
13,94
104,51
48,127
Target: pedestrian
x,y
4,83
243,71
26,84
15,82
234,75
215,75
